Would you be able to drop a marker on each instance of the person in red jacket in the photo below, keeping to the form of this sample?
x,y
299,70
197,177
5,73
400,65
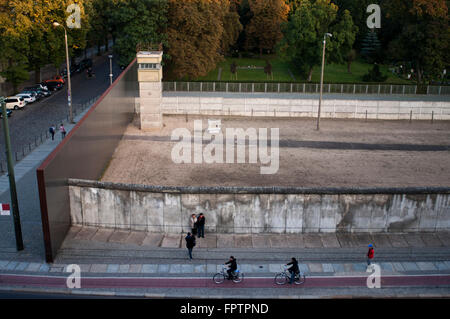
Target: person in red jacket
x,y
370,254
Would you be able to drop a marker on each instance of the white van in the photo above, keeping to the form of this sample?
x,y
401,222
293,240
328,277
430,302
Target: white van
x,y
15,103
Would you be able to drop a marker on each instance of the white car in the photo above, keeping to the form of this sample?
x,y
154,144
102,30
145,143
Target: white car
x,y
27,97
15,102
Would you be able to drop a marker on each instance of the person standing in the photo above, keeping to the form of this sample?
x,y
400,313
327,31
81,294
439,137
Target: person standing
x,y
370,254
52,131
190,244
201,225
62,130
193,224
293,269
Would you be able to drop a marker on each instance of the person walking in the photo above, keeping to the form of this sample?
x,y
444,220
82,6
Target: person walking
x,y
293,269
52,131
370,254
193,224
190,244
62,130
201,225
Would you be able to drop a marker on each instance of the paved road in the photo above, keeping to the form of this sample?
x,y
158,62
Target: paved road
x,y
34,120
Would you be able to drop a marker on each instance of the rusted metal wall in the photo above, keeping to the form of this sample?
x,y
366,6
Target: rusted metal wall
x,y
84,153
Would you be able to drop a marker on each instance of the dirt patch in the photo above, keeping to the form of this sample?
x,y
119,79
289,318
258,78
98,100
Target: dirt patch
x,y
348,153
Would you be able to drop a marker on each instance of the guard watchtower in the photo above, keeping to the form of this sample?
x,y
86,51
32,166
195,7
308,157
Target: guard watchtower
x,y
150,89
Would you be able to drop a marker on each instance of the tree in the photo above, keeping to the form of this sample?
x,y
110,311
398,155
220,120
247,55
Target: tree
x,y
233,70
374,75
199,31
303,35
137,21
264,29
351,56
423,35
268,69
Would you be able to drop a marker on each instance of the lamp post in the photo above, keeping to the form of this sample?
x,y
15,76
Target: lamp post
x,y
110,69
69,86
321,76
12,179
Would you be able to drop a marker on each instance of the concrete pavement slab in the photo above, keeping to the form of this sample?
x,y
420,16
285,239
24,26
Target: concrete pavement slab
x,y
260,241
414,240
278,241
199,269
329,240
22,266
225,241
245,268
33,267
447,262
212,268
348,267
397,240
211,241
260,268
135,268
312,241
153,240
387,266
199,242
73,231
362,240
327,268
164,268
440,265
295,241
304,268
315,267
444,237
124,268
187,269
136,237
99,268
44,268
3,264
338,268
345,240
86,233
427,266
410,266
398,266
359,267
119,236
171,241
381,241
243,241
431,240
112,268
85,267
103,234
149,268
11,265
275,268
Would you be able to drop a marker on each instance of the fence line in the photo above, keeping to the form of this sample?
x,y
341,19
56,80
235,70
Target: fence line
x,y
270,87
42,137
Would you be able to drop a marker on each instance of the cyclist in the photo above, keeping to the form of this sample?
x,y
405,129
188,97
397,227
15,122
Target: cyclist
x,y
232,268
293,269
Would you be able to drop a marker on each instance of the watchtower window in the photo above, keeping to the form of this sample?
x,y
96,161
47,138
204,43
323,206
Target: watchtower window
x,y
149,66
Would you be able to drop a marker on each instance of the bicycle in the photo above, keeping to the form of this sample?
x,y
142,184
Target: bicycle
x,y
220,277
285,276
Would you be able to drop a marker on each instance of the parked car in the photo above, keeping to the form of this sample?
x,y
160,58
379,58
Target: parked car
x,y
40,86
8,113
58,78
53,85
34,94
29,98
14,102
41,92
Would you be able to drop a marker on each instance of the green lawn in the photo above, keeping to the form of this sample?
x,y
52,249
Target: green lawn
x,y
334,73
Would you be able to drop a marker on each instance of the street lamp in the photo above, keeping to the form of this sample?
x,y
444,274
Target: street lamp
x,y
69,86
321,75
110,69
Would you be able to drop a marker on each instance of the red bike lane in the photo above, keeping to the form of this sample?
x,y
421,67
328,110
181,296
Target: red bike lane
x,y
192,282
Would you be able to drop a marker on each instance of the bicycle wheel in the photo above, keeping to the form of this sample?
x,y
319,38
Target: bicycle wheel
x,y
280,278
219,278
238,278
299,279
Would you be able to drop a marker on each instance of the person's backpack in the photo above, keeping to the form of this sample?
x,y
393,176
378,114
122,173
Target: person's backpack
x,y
51,130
